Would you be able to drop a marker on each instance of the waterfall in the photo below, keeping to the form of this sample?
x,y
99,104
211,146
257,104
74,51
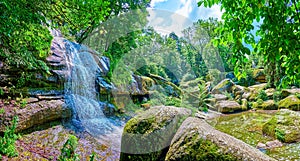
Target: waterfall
x,y
80,91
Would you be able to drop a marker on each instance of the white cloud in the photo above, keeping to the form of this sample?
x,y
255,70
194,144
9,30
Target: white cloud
x,y
186,8
153,2
186,12
165,22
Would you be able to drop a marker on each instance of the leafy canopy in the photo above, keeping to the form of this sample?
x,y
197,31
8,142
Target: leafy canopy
x,y
277,40
24,28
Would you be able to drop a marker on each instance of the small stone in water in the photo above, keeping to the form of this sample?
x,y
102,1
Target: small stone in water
x,y
261,146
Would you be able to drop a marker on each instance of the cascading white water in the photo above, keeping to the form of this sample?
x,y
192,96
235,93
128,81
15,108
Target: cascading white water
x,y
81,92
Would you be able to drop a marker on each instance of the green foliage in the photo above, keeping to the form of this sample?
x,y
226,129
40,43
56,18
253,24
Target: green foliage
x,y
203,94
158,97
2,111
277,96
23,103
68,150
1,92
279,134
215,76
229,95
7,142
262,95
24,29
278,33
173,101
204,109
260,101
92,156
248,79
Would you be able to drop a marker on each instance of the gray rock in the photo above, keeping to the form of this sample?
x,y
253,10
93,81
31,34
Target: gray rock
x,y
224,86
258,87
287,92
273,144
220,97
31,100
228,106
37,113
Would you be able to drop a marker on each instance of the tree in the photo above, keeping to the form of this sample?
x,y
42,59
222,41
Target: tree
x,y
199,49
278,31
80,18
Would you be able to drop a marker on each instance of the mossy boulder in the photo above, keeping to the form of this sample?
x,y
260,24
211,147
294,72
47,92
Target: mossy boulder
x,y
268,105
224,86
228,106
287,92
197,140
291,102
148,135
258,87
259,75
284,126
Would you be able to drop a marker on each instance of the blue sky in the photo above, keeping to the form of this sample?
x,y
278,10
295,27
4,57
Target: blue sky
x,y
175,15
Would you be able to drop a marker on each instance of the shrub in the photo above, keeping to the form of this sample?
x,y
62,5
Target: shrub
x,y
68,150
262,95
173,101
7,142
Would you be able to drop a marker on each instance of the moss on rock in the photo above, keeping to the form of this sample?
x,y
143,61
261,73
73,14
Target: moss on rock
x,y
268,105
291,102
284,126
224,86
147,136
197,140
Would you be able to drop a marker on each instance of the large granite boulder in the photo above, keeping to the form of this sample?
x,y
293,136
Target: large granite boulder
x,y
148,135
197,140
36,113
284,126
